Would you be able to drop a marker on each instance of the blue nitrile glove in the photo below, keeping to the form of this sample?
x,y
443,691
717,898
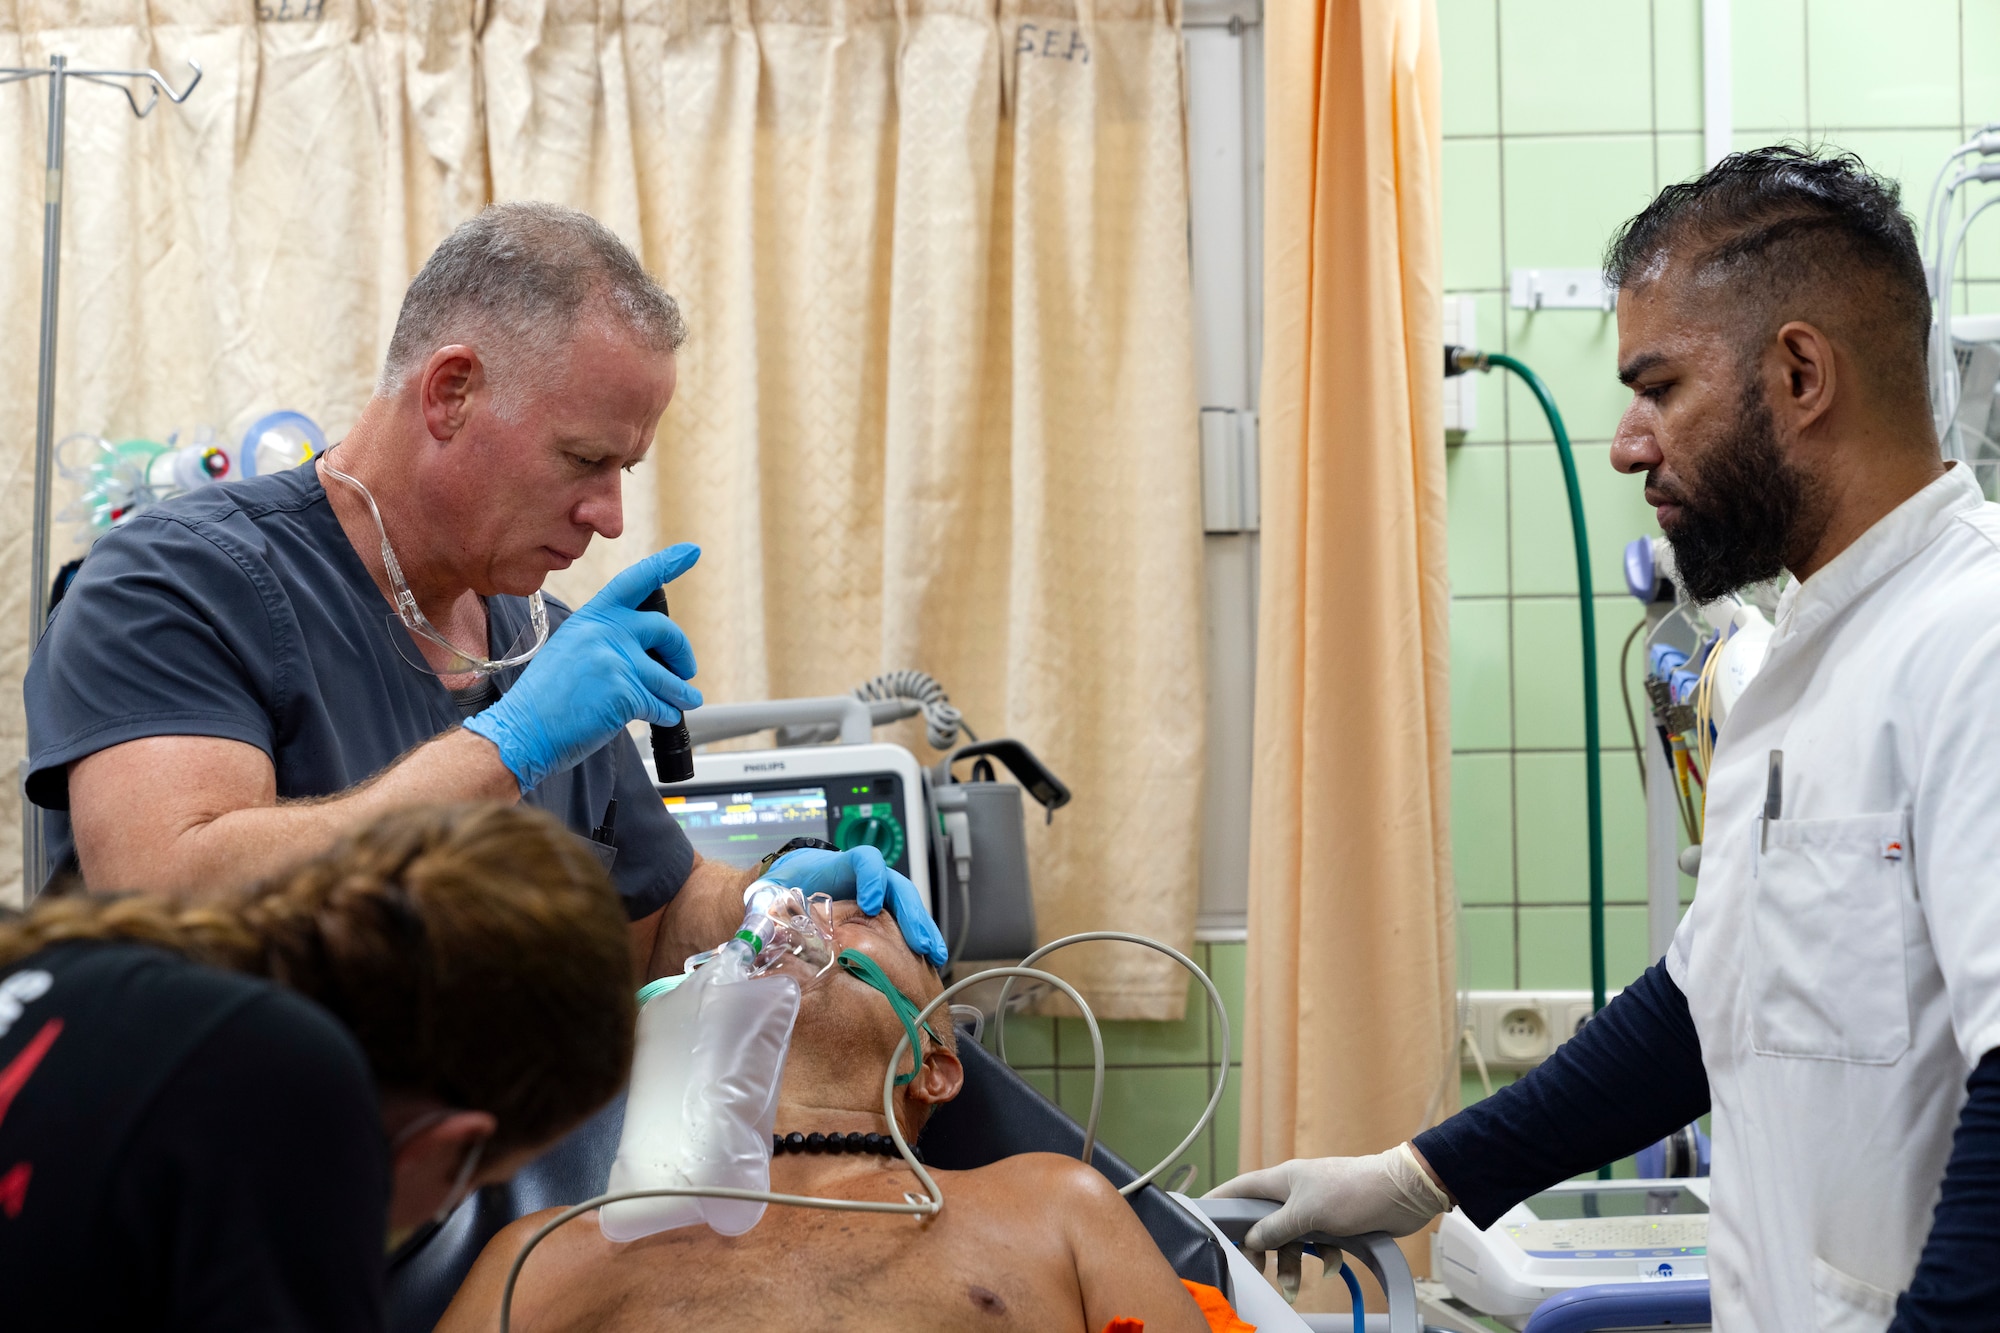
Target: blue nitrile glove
x,y
593,676
861,874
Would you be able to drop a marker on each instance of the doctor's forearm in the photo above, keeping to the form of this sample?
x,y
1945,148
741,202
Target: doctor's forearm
x,y
1630,1078
707,910
195,814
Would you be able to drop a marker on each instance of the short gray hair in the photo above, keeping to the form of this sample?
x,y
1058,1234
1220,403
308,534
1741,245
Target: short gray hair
x,y
518,278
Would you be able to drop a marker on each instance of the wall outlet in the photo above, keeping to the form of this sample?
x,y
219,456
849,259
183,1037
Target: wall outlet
x,y
1517,1030
1521,1033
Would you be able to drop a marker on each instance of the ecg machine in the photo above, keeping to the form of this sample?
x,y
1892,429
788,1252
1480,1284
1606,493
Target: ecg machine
x,y
1581,1233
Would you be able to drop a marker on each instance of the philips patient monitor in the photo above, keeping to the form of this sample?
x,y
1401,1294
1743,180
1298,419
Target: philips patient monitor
x,y
745,804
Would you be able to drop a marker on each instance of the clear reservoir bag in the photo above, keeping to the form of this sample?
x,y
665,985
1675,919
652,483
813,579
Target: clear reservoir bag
x,y
710,1056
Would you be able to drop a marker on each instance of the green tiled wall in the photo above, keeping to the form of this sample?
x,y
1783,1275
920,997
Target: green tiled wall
x,y
1157,1076
1562,118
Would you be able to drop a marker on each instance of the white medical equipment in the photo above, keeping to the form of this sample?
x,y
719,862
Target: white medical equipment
x,y
276,442
1969,408
1578,1234
117,480
960,842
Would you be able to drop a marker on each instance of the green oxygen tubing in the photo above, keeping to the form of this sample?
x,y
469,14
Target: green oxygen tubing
x,y
1458,360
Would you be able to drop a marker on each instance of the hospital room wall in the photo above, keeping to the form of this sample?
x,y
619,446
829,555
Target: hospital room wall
x,y
1562,117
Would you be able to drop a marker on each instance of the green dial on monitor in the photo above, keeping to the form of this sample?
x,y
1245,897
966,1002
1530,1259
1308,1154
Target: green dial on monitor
x,y
870,826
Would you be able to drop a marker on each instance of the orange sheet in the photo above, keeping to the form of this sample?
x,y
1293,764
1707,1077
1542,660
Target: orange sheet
x,y
1214,1306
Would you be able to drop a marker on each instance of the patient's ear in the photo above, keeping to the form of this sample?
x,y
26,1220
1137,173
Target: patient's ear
x,y
940,1080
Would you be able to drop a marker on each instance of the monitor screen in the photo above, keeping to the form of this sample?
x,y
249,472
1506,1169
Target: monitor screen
x,y
739,825
1617,1201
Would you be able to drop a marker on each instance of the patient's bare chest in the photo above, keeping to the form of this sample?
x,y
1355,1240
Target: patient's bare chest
x,y
976,1268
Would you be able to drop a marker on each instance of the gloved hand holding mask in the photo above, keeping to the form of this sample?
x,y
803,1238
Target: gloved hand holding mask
x,y
860,874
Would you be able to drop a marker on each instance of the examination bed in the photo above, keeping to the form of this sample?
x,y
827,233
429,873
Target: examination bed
x,y
997,1114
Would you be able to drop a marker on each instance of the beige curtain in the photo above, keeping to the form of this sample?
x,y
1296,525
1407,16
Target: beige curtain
x,y
242,252
1350,994
937,410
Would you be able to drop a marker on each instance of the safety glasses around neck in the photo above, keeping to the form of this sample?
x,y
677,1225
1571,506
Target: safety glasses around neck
x,y
410,617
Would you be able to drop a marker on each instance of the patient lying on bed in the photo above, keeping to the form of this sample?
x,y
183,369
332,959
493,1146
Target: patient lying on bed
x,y
1032,1242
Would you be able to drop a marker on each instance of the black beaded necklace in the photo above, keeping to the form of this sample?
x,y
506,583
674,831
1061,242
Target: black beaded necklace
x,y
879,1144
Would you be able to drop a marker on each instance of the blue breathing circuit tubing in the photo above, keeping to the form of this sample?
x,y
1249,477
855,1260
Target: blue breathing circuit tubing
x,y
1355,1299
1354,1294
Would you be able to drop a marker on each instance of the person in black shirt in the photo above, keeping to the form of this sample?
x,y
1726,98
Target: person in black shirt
x,y
218,1117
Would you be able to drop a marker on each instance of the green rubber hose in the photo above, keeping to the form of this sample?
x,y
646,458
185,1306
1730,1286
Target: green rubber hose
x,y
1592,779
1587,611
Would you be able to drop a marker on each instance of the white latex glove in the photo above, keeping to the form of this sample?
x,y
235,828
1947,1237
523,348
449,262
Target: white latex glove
x,y
1342,1196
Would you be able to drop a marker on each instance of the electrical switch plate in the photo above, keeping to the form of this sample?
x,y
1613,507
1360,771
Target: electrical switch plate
x,y
1561,289
1517,1030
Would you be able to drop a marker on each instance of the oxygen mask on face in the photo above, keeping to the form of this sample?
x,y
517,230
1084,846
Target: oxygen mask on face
x,y
787,931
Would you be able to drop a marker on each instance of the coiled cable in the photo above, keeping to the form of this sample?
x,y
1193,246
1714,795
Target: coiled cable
x,y
942,721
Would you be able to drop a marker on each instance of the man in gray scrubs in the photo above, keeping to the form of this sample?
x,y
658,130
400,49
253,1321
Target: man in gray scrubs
x,y
241,675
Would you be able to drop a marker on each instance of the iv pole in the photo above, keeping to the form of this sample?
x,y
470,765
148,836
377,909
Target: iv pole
x,y
34,859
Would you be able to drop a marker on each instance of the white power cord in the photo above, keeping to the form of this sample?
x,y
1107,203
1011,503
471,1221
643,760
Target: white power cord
x,y
933,1200
1470,1041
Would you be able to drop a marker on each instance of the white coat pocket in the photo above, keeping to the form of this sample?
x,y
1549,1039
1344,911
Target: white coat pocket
x,y
1828,978
1843,1303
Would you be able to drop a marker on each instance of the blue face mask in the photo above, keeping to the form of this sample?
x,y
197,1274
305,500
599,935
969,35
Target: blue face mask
x,y
864,969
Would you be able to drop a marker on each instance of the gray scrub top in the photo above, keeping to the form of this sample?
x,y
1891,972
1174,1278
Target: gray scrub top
x,y
242,611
